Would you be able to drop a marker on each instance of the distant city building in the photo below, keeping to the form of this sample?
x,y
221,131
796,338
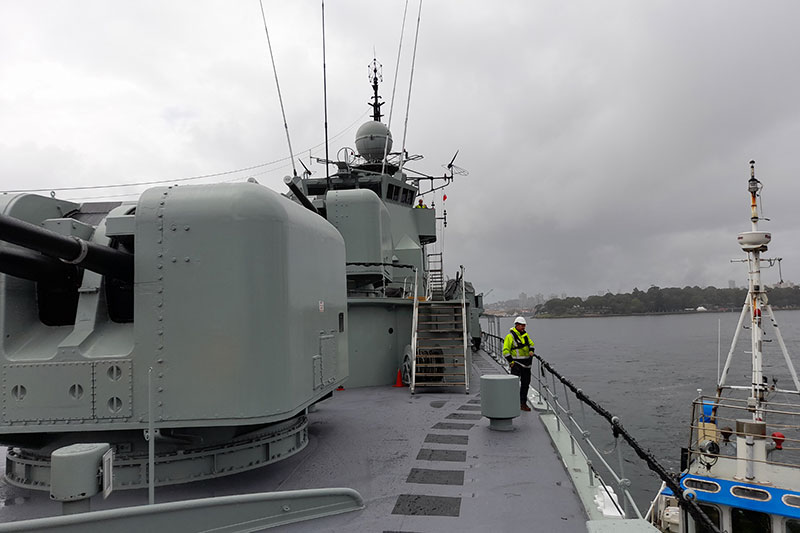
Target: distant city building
x,y
523,300
731,283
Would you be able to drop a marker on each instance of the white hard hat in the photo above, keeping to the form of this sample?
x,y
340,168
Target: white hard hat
x,y
520,320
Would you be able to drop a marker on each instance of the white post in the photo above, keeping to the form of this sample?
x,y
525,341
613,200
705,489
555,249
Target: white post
x,y
414,325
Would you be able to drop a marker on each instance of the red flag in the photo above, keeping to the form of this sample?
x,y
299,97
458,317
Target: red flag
x,y
444,199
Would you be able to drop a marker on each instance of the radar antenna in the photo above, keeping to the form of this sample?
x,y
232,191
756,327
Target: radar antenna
x,y
375,76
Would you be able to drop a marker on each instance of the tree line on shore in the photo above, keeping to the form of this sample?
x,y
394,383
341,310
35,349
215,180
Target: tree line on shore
x,y
667,300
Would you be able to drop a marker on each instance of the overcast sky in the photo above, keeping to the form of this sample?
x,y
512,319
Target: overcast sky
x,y
607,143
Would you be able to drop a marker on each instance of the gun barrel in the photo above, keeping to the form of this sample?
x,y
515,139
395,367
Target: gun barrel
x,y
91,256
292,183
36,267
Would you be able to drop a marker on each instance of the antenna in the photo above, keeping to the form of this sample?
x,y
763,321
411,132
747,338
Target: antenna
x,y
410,82
325,98
280,98
375,76
394,87
455,169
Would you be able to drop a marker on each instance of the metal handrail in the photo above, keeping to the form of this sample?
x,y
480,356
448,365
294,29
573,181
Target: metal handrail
x,y
414,324
554,406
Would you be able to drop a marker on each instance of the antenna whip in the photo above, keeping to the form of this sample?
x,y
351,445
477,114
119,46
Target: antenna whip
x,y
410,82
394,88
280,98
325,99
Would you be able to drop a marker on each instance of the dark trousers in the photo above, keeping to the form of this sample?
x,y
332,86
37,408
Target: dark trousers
x,y
524,381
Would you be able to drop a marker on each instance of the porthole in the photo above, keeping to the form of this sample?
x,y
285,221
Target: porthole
x,y
792,500
751,493
699,484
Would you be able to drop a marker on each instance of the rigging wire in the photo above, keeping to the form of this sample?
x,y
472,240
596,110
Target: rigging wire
x,y
410,82
280,98
394,88
325,100
178,180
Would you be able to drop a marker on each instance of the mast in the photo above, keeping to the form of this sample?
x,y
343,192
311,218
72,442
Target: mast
x,y
375,76
754,242
755,294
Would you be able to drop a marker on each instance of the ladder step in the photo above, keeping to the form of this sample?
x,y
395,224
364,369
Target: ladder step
x,y
441,384
434,347
438,374
432,365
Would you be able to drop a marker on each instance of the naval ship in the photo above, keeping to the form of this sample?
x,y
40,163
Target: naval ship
x,y
226,357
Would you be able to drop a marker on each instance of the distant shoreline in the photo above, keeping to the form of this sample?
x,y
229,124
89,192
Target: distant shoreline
x,y
604,315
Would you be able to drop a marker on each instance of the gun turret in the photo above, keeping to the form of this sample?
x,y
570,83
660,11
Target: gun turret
x,y
71,250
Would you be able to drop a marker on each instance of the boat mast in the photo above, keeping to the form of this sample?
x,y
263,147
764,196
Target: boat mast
x,y
755,295
754,242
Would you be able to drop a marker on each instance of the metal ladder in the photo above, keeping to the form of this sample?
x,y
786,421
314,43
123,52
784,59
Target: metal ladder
x,y
435,277
440,345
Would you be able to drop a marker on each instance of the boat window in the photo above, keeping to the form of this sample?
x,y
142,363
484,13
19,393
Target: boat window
x,y
750,493
390,191
792,526
699,484
395,193
744,521
791,500
713,514
405,198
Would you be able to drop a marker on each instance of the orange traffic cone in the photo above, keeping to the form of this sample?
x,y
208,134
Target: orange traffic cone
x,y
399,381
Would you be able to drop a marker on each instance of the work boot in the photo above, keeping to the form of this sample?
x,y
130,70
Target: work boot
x,y
525,407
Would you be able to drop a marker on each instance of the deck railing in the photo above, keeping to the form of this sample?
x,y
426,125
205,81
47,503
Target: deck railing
x,y
547,389
714,420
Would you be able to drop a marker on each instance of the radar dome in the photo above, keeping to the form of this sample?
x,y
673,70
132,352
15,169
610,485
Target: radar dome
x,y
371,138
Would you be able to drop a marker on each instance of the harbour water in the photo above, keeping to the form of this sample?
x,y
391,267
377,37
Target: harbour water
x,y
648,369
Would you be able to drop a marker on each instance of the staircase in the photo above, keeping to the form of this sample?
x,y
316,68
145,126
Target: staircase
x,y
439,342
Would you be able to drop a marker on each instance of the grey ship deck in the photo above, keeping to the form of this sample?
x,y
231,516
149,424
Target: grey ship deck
x,y
426,462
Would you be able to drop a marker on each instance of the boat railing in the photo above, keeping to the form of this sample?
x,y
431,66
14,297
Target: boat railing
x,y
544,394
414,325
714,430
546,389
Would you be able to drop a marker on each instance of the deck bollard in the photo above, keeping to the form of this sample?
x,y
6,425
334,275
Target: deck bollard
x,y
500,400
75,475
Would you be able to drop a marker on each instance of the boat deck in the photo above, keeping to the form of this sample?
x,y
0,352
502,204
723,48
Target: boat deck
x,y
426,462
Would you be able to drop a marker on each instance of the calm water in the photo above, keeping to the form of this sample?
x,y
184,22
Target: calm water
x,y
647,370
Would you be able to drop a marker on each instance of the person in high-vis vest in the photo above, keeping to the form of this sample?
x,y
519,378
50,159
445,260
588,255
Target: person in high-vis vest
x,y
518,351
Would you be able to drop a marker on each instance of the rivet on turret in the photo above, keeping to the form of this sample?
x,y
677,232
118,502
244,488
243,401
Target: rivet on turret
x,y
159,254
186,228
173,228
160,361
160,267
160,347
186,259
174,259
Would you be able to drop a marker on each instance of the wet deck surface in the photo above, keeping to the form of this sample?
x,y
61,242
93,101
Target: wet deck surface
x,y
426,462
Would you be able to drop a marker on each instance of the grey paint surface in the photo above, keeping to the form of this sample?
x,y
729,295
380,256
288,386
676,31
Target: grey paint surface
x,y
368,439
